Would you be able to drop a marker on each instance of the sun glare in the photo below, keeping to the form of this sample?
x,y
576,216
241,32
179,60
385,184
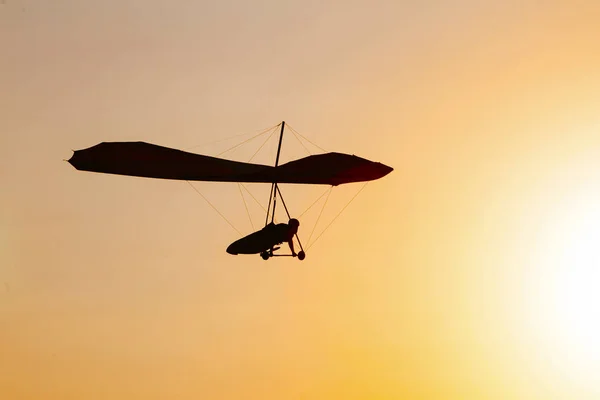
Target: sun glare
x,y
567,287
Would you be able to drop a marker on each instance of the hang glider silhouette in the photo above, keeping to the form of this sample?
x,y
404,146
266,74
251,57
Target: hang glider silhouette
x,y
152,161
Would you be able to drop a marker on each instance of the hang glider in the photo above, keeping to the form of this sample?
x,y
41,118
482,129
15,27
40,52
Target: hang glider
x,y
147,160
153,161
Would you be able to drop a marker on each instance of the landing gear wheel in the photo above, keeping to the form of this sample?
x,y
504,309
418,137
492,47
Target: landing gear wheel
x,y
264,255
301,255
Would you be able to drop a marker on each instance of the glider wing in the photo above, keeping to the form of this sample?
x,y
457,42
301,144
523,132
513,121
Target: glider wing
x,y
153,161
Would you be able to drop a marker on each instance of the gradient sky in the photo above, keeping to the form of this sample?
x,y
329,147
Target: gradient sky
x,y
455,277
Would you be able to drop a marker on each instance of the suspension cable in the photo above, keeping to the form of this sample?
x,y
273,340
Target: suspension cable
x,y
256,200
246,205
338,214
231,137
319,217
253,197
214,208
246,141
263,144
307,139
300,141
316,201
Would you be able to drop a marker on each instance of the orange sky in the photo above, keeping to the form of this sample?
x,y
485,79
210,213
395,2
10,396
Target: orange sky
x,y
439,282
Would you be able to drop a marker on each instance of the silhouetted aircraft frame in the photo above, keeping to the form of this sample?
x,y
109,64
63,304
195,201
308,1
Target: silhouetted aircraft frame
x,y
152,161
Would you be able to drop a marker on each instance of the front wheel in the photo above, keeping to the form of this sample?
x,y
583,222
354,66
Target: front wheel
x,y
301,255
264,255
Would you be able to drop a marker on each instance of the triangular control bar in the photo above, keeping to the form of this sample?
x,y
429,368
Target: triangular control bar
x,y
273,200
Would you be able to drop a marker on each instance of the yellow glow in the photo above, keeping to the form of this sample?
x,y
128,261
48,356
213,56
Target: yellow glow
x,y
567,282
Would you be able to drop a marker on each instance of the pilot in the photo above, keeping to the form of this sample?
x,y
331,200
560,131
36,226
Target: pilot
x,y
283,233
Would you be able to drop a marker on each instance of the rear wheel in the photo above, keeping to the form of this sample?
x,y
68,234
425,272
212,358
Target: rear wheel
x,y
264,255
301,255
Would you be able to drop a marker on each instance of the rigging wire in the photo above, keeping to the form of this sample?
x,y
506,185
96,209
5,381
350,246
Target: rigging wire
x,y
214,208
319,217
232,137
246,141
338,214
246,205
300,141
307,139
254,197
263,144
316,201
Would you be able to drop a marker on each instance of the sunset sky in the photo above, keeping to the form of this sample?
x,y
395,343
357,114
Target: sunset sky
x,y
470,272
